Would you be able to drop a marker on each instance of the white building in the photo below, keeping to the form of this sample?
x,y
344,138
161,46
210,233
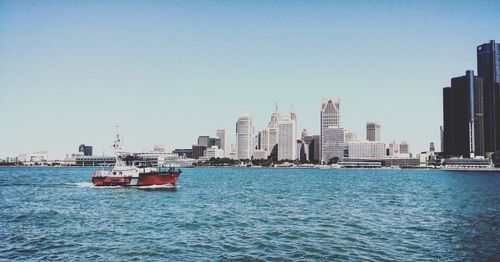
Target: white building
x,y
225,141
287,138
244,137
399,150
332,136
366,149
214,152
268,138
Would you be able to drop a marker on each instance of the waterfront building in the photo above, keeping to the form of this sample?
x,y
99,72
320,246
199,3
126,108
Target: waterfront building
x,y
372,131
86,150
398,150
287,138
82,160
214,152
244,137
225,141
198,151
332,135
366,149
488,68
463,116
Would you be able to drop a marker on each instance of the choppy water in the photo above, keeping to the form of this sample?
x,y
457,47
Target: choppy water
x,y
252,214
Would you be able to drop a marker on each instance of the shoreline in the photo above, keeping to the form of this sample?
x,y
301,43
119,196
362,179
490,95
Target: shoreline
x,y
322,168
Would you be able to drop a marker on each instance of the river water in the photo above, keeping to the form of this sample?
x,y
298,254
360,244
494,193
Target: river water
x,y
253,214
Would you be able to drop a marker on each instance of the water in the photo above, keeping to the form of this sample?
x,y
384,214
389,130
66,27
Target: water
x,y
252,214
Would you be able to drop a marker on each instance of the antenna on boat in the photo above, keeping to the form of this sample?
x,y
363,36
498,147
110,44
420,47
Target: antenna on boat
x,y
116,144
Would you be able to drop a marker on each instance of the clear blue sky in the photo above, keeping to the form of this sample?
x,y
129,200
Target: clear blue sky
x,y
168,71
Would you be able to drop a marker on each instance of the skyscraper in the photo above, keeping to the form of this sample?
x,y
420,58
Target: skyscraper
x,y
332,136
463,116
287,137
268,138
225,141
372,131
488,68
244,137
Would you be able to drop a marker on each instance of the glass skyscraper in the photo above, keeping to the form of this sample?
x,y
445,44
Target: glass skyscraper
x,y
488,68
463,116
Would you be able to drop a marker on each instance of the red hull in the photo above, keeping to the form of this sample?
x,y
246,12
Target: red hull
x,y
144,179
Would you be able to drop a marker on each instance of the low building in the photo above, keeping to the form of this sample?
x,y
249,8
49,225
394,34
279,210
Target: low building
x,y
361,164
259,154
214,152
365,149
467,163
82,160
387,161
187,153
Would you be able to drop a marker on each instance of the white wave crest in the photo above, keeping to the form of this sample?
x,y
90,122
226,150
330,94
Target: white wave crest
x,y
169,186
90,185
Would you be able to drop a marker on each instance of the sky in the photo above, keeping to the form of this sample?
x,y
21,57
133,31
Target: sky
x,y
169,71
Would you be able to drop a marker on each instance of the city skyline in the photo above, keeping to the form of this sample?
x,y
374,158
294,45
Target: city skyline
x,y
68,68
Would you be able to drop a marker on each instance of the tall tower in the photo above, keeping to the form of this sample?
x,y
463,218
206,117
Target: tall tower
x,y
225,141
488,68
287,138
332,135
463,116
244,137
372,131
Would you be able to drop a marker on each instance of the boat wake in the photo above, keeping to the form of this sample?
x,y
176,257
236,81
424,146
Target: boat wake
x,y
152,187
90,185
158,187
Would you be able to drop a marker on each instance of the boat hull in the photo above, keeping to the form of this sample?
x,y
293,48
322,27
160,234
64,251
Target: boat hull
x,y
144,179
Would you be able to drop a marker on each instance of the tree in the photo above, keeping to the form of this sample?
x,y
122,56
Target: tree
x,y
333,160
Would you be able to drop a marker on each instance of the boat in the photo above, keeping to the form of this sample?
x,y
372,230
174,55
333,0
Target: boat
x,y
125,174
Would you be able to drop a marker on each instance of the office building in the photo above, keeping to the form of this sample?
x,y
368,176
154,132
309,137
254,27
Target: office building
x,y
372,131
86,150
488,69
244,137
365,149
463,116
287,138
198,151
404,148
203,141
214,152
332,136
185,153
214,141
225,141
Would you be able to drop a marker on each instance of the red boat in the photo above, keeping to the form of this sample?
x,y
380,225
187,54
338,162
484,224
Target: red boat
x,y
124,173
